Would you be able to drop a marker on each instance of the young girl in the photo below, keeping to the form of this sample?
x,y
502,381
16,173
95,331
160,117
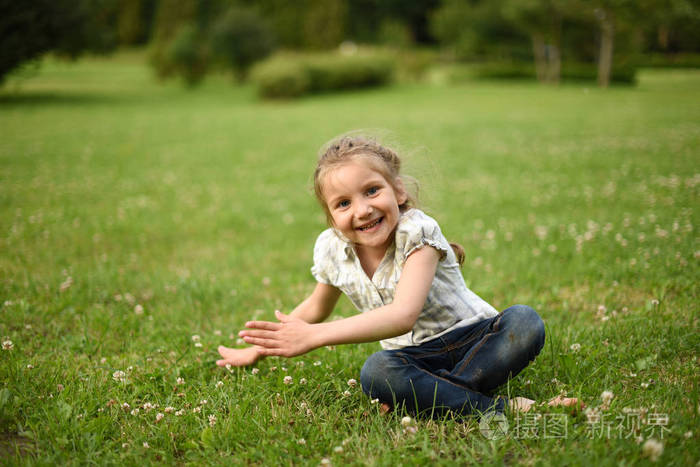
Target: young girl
x,y
445,349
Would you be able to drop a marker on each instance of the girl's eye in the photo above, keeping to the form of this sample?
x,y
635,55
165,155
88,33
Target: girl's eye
x,y
373,190
344,203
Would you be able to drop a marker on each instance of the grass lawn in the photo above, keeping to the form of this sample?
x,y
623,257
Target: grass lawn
x,y
143,224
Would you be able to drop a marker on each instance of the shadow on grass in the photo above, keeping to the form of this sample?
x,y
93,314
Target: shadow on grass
x,y
22,99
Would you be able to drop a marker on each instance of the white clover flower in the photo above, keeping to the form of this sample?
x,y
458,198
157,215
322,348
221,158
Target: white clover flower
x,y
325,461
197,344
606,397
688,434
374,401
347,394
212,420
30,366
7,345
180,413
129,369
147,406
255,371
159,417
135,412
138,309
195,338
119,376
317,363
302,381
219,384
169,409
126,406
644,385
301,441
203,402
180,381
338,449
575,347
125,445
652,449
196,410
406,421
352,382
287,380
145,444
411,430
217,332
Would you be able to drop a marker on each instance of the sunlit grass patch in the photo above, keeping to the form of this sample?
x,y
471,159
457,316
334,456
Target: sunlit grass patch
x,y
136,216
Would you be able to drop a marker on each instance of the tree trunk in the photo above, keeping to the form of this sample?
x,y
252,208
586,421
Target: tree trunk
x,y
662,35
607,37
554,64
538,50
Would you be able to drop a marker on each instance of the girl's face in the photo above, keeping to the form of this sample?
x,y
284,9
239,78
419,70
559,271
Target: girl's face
x,y
364,206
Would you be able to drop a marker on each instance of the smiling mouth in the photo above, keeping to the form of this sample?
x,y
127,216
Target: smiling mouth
x,y
370,225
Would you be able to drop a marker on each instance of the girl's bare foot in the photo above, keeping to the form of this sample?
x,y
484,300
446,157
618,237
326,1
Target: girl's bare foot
x,y
561,401
237,357
520,404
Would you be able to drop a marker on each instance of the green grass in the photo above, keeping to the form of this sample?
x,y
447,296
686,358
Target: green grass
x,y
197,206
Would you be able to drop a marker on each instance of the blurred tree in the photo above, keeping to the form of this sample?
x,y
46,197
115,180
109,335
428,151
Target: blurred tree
x,y
285,18
240,38
542,21
134,21
477,29
671,25
32,28
612,18
324,23
180,45
370,20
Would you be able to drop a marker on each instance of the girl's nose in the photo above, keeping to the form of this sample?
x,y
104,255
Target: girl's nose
x,y
364,210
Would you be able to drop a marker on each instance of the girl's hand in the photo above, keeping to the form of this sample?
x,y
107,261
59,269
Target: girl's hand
x,y
238,357
288,338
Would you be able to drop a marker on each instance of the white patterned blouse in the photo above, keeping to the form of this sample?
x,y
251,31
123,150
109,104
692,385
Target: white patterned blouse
x,y
449,305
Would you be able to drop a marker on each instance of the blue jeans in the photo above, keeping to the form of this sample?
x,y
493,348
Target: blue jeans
x,y
458,371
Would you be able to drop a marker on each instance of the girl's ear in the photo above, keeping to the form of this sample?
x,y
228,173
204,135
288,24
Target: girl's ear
x,y
400,190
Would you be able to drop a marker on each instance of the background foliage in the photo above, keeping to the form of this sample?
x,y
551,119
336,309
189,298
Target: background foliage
x,y
190,38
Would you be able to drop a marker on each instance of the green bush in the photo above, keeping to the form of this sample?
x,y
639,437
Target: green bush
x,y
186,56
621,73
679,60
570,71
240,38
292,76
281,78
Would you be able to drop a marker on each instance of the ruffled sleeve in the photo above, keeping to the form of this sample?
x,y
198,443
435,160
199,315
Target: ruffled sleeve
x,y
323,268
416,230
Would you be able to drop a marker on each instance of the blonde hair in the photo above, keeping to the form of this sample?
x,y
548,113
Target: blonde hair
x,y
375,156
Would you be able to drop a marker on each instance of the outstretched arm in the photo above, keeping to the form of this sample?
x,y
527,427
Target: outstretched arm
x,y
314,309
292,336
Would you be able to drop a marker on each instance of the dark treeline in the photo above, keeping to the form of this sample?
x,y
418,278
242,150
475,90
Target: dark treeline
x,y
188,36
